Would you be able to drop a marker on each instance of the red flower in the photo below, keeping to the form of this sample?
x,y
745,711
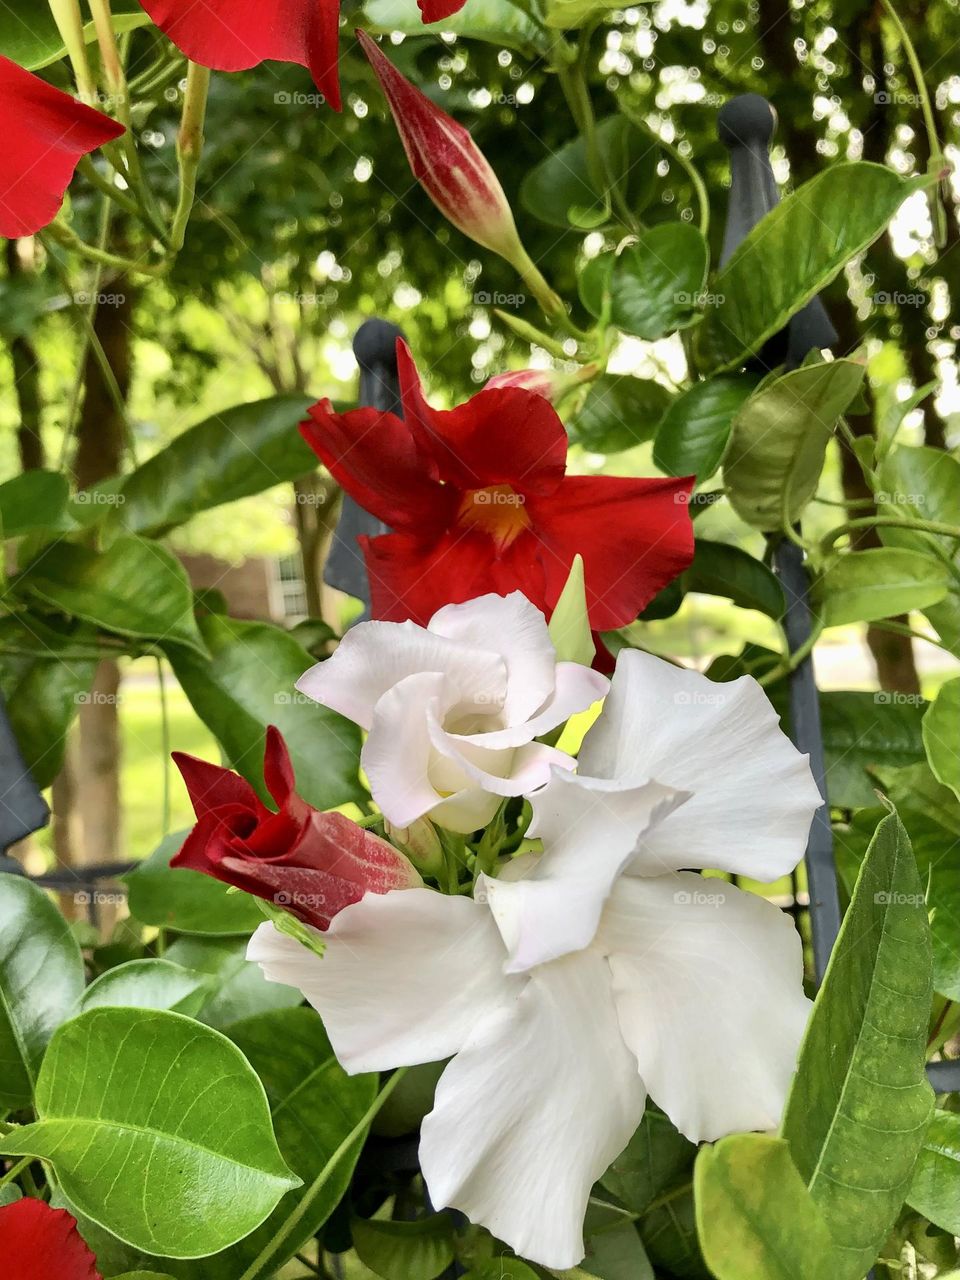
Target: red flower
x,y
314,864
232,35
40,1243
45,134
480,502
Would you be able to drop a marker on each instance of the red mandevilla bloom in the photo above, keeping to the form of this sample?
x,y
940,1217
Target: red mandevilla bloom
x,y
480,502
40,1243
232,35
311,863
45,132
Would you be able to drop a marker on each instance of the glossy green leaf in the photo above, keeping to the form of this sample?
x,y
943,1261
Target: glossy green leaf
x,y
137,1089
33,500
504,1268
239,452
935,1189
593,283
247,684
657,283
41,980
494,21
184,900
692,435
405,1250
618,413
799,247
924,484
29,35
941,735
862,586
239,989
10,1194
860,1102
44,677
614,1250
779,440
561,183
133,588
722,570
755,1217
864,732
148,984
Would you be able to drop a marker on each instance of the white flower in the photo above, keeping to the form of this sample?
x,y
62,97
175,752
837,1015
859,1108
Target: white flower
x,y
603,974
453,709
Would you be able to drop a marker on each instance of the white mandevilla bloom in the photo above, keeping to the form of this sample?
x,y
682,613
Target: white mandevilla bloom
x,y
570,988
452,710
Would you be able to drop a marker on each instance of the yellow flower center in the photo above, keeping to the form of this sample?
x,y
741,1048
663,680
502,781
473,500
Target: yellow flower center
x,y
497,510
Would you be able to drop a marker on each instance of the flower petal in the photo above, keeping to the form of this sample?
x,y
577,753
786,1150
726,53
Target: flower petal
x,y
373,657
576,689
697,962
405,977
590,832
232,35
753,796
635,536
210,786
40,1243
45,134
396,756
534,1108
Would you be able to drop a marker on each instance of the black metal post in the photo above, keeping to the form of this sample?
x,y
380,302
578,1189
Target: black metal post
x,y
23,809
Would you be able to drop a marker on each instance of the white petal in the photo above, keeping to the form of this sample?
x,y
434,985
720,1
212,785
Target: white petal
x,y
397,754
707,981
577,688
374,656
753,792
591,830
405,977
465,811
533,1110
506,772
516,629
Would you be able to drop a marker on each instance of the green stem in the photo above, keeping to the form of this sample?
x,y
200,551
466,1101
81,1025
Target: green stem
x,y
900,522
15,1171
268,1253
164,747
901,629
792,660
69,20
189,150
62,234
107,188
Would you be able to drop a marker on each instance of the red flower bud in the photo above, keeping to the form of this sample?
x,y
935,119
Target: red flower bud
x,y
40,1243
542,381
311,863
448,163
45,132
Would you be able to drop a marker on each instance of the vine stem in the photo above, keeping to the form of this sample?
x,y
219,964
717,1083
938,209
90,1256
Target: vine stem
x,y
299,1212
15,1171
189,149
899,522
69,20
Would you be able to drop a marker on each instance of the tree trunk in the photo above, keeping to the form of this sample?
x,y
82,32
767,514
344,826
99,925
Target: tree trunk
x,y
26,374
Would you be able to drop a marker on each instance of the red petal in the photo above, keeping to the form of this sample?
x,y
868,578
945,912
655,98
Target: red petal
x,y
410,578
45,132
278,767
504,435
40,1243
434,10
210,786
635,536
232,35
373,457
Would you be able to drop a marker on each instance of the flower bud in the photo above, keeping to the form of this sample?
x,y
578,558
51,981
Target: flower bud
x,y
421,844
544,382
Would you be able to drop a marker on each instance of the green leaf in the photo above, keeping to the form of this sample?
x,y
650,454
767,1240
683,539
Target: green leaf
x,y
41,980
184,900
133,588
656,1157
618,413
692,435
569,625
862,586
500,1269
494,21
593,283
754,1214
860,1102
33,500
44,676
793,252
239,988
864,732
722,570
405,1250
29,35
142,1275
941,738
935,1190
562,183
614,1250
779,440
657,283
232,455
147,984
247,684
924,484
139,1089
